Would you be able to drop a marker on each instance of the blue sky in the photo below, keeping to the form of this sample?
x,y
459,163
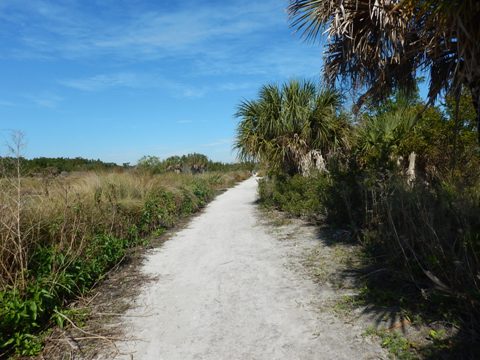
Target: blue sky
x,y
119,79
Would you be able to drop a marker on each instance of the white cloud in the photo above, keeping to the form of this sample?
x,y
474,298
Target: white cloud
x,y
105,81
149,33
45,99
101,82
236,37
204,44
137,80
7,103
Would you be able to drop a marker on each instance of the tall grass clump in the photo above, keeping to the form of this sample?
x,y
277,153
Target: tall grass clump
x,y
58,240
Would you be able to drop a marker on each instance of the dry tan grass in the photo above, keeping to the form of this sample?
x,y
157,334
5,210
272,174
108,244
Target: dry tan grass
x,y
65,212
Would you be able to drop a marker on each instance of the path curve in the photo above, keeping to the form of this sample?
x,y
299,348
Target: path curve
x,y
222,291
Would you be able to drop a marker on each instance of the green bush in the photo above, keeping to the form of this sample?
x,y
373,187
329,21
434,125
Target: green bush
x,y
297,195
55,279
68,258
426,235
202,190
159,210
402,177
433,235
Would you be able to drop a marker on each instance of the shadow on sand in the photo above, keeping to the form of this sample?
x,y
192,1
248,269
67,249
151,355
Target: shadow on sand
x,y
392,303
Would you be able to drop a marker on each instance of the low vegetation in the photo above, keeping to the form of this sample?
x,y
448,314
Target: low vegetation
x,y
60,235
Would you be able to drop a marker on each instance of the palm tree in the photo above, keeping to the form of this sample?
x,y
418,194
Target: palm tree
x,y
290,128
382,44
195,163
173,163
378,137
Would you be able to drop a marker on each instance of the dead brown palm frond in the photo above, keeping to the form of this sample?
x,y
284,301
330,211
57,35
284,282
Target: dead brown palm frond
x,y
380,45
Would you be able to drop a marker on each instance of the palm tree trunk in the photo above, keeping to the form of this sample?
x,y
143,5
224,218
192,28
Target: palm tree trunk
x,y
411,168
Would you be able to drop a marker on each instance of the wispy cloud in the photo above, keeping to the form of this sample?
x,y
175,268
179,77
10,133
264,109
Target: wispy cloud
x,y
148,31
7,103
103,82
139,80
45,99
216,39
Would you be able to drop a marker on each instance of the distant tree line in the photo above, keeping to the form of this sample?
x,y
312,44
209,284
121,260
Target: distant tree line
x,y
53,166
192,163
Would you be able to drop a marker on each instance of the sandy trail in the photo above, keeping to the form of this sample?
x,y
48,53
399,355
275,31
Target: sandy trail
x,y
222,291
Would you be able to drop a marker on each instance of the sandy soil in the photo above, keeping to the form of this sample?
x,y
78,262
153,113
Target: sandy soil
x,y
224,289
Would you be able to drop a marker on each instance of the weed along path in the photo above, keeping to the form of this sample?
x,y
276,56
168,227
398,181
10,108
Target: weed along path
x,y
223,289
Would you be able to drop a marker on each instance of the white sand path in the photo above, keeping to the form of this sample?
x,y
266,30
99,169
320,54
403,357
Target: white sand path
x,y
222,291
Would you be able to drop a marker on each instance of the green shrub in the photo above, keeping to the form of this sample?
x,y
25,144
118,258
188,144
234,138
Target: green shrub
x,y
297,195
73,239
56,277
433,235
202,191
159,210
187,202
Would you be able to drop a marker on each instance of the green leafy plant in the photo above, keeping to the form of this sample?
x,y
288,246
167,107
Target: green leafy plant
x,y
74,234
